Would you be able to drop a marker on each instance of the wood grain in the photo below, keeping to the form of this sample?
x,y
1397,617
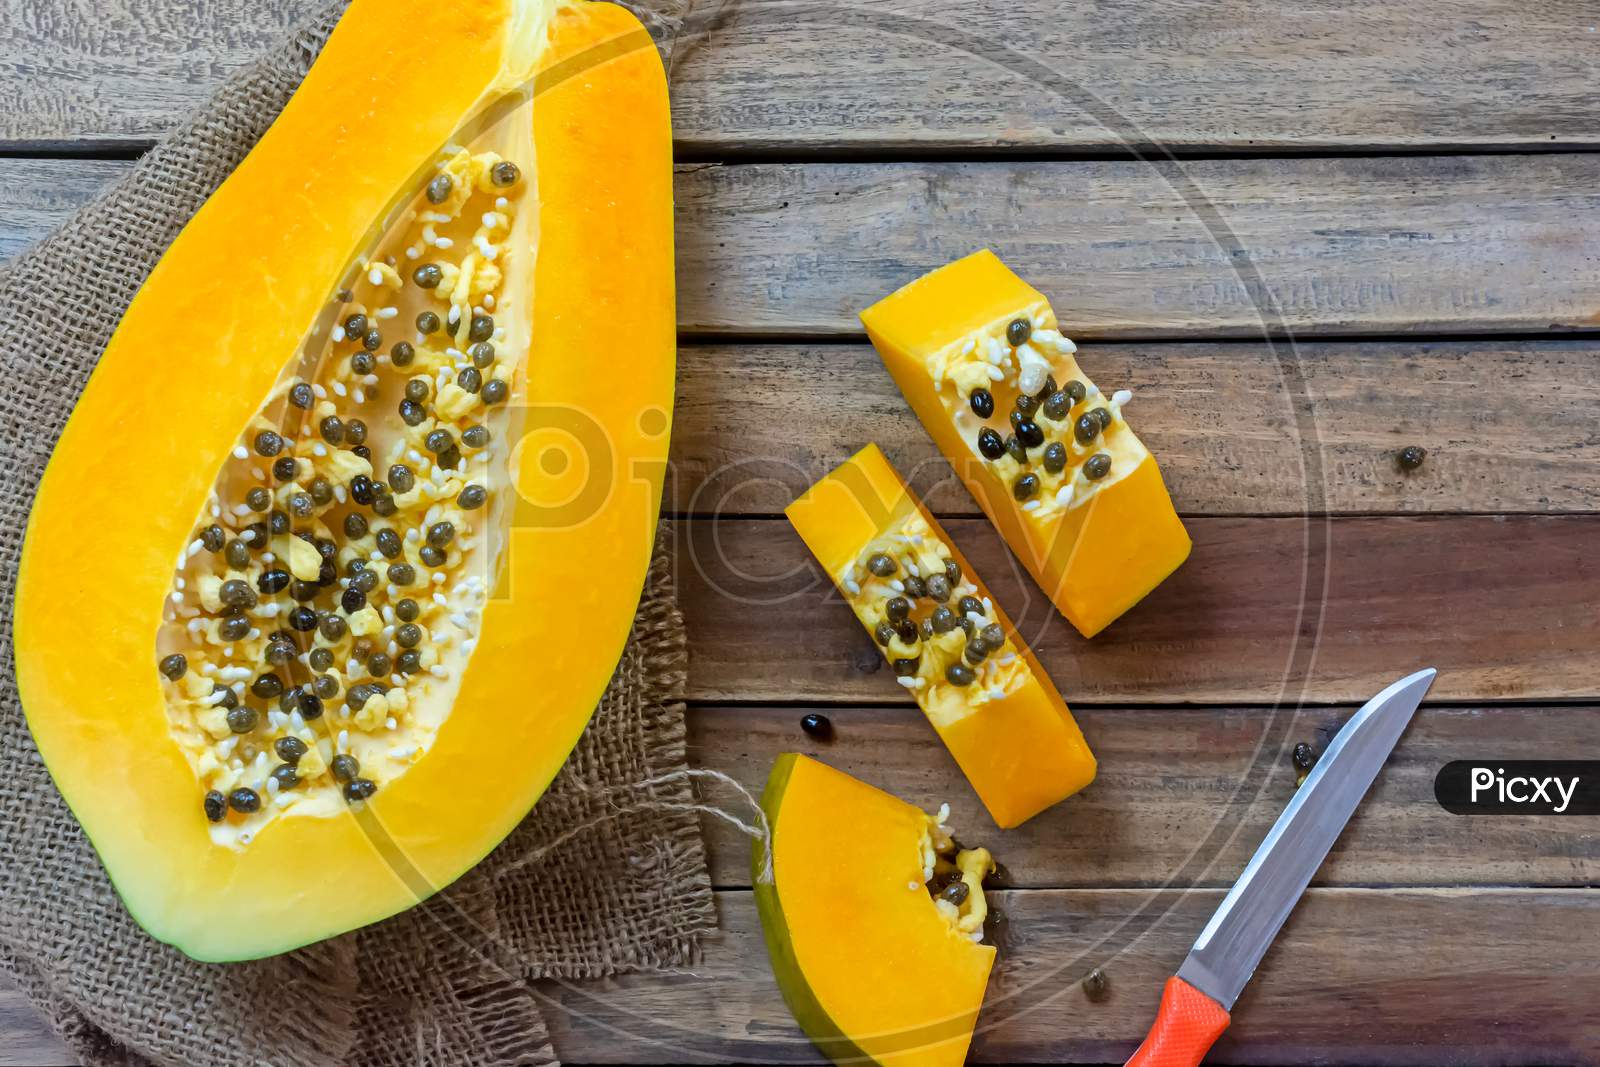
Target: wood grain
x,y
1129,250
1207,248
1239,429
1504,607
1232,422
1357,976
121,72
1417,976
1188,794
26,1040
41,193
1242,75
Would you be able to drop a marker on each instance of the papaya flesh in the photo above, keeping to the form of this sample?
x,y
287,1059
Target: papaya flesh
x,y
397,402
873,919
1049,457
951,646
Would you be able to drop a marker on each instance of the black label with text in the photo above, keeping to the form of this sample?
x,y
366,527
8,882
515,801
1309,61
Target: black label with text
x,y
1519,787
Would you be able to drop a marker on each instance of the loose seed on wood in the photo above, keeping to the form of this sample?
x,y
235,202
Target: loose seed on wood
x,y
817,726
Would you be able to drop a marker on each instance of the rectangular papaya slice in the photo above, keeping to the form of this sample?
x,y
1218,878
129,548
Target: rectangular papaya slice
x,y
949,643
1048,457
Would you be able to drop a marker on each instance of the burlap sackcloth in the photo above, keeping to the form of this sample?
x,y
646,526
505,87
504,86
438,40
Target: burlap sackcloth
x,y
447,982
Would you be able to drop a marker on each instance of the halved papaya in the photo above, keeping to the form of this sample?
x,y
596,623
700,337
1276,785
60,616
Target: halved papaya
x,y
1050,459
873,918
397,403
951,646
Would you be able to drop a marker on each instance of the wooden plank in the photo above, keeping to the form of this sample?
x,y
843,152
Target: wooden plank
x,y
26,1040
122,72
41,193
1503,606
757,424
1129,250
1211,248
1357,976
1187,794
1251,75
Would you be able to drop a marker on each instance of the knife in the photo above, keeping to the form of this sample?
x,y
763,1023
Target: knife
x,y
1195,1003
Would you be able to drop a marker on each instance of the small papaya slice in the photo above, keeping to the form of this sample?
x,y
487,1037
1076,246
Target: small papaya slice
x,y
344,538
951,646
873,919
1049,457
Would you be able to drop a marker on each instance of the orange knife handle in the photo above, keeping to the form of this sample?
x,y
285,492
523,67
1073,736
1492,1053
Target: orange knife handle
x,y
1187,1025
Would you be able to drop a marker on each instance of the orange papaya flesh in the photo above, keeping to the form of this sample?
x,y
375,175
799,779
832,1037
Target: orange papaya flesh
x,y
1080,501
334,403
873,954
951,646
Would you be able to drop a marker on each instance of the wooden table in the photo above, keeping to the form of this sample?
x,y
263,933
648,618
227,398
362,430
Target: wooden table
x,y
1409,192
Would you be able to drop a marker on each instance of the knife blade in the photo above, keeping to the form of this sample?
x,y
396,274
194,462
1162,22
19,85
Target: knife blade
x,y
1195,1003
